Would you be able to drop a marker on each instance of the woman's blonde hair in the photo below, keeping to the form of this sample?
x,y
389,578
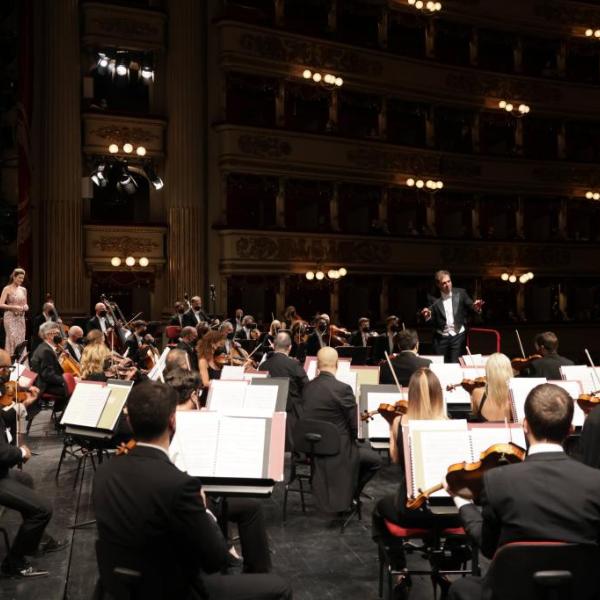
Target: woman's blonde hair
x,y
498,371
274,324
425,398
93,358
13,275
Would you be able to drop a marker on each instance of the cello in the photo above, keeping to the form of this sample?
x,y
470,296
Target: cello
x,y
115,336
66,361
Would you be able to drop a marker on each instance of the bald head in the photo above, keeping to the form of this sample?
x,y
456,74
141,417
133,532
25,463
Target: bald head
x,y
75,333
100,306
327,359
283,342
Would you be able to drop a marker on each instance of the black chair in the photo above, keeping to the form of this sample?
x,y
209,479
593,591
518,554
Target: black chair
x,y
545,571
3,531
314,439
358,354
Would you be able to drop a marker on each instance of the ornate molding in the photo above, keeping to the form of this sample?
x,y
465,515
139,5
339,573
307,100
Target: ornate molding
x,y
479,84
262,248
264,146
135,135
564,13
126,28
309,53
505,255
125,245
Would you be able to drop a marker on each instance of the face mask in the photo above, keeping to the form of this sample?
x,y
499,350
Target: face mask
x,y
181,310
4,376
322,327
230,335
57,339
78,340
364,328
102,313
394,328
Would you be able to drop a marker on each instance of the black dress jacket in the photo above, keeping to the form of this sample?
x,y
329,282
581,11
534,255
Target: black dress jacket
x,y
462,305
280,365
405,364
548,366
335,477
145,505
45,363
9,455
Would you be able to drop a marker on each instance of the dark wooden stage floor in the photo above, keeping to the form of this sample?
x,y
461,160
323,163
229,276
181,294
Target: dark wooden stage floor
x,y
309,550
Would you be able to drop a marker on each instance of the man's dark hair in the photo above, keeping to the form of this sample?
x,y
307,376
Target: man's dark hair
x,y
407,339
183,382
149,406
549,412
547,340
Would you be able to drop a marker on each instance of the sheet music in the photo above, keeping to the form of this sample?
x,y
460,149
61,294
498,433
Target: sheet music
x,y
435,446
195,449
256,375
472,360
574,389
261,399
450,374
232,373
344,365
590,382
86,405
310,366
241,447
519,387
379,427
485,435
365,376
114,405
438,359
348,377
226,396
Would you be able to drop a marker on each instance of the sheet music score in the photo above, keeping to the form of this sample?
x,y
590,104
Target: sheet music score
x,y
310,366
226,396
379,427
590,380
451,374
232,373
114,405
473,360
256,375
86,405
344,365
518,388
348,377
262,398
196,432
438,359
241,447
485,435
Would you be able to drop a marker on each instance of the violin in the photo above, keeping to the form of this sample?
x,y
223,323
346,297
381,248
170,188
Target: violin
x,y
466,479
468,384
588,401
336,336
518,364
388,411
12,393
126,447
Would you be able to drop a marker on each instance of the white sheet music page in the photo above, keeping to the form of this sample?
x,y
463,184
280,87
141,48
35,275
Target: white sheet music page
x,y
436,445
379,427
226,396
86,405
451,374
518,388
590,381
241,447
232,373
195,447
348,377
574,389
344,365
311,367
261,399
485,435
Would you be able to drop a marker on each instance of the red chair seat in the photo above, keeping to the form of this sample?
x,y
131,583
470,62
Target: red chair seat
x,y
172,331
412,532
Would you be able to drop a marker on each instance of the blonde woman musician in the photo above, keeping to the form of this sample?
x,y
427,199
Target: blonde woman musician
x,y
13,302
491,403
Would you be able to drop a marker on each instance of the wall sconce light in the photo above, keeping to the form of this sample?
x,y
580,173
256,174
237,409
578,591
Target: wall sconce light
x,y
319,274
430,184
130,261
328,79
517,110
513,277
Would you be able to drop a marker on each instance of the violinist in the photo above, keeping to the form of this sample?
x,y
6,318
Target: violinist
x,y
249,330
187,342
549,496
47,314
211,358
448,315
135,343
407,361
491,402
290,316
177,318
186,384
548,366
101,320
93,362
361,335
318,338
195,315
73,344
425,402
228,330
387,342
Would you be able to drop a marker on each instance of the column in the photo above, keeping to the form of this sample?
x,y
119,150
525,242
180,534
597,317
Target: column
x,y
519,137
562,299
384,298
475,217
332,16
332,124
280,299
561,141
280,204
561,59
475,131
279,13
382,209
520,300
334,208
60,169
430,127
382,118
563,220
185,175
383,27
280,104
430,39
520,218
334,301
474,47
518,56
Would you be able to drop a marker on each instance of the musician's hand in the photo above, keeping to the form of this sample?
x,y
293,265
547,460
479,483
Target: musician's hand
x,y
426,313
447,488
478,305
26,453
31,398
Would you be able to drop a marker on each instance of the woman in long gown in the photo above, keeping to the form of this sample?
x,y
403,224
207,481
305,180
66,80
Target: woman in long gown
x,y
13,302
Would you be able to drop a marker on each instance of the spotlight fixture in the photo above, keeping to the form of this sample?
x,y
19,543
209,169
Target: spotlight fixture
x,y
592,33
513,277
154,179
504,276
319,273
310,275
307,74
519,110
328,80
127,148
140,151
127,182
317,77
147,70
102,64
428,7
99,175
430,184
122,65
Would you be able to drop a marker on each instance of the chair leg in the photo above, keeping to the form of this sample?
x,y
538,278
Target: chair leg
x,y
285,499
302,500
60,460
6,539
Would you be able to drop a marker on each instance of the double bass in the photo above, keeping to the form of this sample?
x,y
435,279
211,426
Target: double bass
x,y
66,361
115,336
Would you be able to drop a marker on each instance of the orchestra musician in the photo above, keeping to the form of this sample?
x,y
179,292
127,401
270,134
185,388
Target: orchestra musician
x,y
239,315
195,315
187,342
209,348
228,330
447,315
290,316
47,314
407,361
425,402
546,345
492,402
135,342
318,338
387,342
101,319
73,343
177,360
249,329
17,492
13,301
340,478
166,525
177,318
549,496
361,335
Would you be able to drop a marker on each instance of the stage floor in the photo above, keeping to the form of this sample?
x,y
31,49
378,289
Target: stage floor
x,y
309,550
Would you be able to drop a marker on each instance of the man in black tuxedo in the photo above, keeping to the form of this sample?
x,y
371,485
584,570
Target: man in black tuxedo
x,y
157,515
45,363
386,342
448,317
279,364
546,344
16,492
318,338
361,335
187,343
46,315
177,318
73,345
337,479
195,315
248,325
407,361
100,320
549,496
135,341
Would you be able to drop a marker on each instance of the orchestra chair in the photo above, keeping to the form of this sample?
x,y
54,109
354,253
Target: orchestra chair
x,y
432,549
544,571
172,332
46,399
3,531
491,339
121,575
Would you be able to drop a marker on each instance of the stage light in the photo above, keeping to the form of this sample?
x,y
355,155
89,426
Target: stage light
x,y
419,183
438,6
332,274
504,276
589,32
122,67
310,275
319,275
512,278
523,279
530,275
144,262
126,182
307,74
589,195
130,261
127,148
147,70
419,4
410,182
102,64
339,81
342,271
502,104
154,179
140,151
597,33
329,78
115,261
317,77
596,196
440,185
509,107
113,148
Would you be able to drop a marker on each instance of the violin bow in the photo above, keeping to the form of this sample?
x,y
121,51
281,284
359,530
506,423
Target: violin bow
x,y
470,356
520,343
594,372
387,357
